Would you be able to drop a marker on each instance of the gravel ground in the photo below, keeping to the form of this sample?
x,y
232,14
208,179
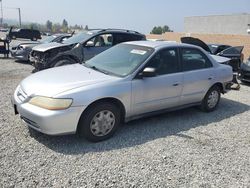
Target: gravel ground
x,y
187,148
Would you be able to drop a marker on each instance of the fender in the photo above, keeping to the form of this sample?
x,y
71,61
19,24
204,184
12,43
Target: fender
x,y
75,54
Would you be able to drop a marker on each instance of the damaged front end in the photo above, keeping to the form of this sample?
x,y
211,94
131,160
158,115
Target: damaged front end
x,y
47,59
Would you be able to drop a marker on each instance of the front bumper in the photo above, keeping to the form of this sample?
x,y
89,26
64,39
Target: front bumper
x,y
51,122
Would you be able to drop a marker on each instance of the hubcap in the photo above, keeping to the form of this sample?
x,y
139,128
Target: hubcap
x,y
102,123
213,99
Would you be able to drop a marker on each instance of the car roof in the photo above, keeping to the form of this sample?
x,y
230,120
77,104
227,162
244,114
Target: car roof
x,y
160,44
95,31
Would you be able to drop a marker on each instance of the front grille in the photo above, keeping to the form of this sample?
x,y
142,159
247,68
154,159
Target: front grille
x,y
21,95
39,56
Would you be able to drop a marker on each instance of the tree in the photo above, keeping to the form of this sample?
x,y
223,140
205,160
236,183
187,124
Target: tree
x,y
165,29
86,28
49,25
33,26
65,26
56,28
159,30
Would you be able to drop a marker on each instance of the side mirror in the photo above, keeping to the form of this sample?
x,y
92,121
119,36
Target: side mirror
x,y
148,72
90,44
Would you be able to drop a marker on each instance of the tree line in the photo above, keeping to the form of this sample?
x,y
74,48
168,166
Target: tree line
x,y
51,27
161,29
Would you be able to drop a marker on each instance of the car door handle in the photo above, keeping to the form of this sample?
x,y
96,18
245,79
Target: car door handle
x,y
210,78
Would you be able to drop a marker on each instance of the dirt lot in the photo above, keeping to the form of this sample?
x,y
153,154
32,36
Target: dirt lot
x,y
187,148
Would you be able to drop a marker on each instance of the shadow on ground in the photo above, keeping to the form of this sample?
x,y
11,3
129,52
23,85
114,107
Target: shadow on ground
x,y
144,130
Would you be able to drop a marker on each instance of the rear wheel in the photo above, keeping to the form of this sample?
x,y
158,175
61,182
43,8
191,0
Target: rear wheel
x,y
211,99
99,122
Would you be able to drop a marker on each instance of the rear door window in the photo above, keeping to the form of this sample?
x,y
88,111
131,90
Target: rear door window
x,y
104,40
124,37
194,59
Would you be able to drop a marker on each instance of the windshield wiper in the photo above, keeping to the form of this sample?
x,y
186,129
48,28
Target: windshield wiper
x,y
95,68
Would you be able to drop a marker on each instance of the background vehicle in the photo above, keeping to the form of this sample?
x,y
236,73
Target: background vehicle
x,y
81,47
245,71
31,34
234,53
128,81
22,50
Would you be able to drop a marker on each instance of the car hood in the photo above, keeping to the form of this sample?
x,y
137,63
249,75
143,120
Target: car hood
x,y
57,80
196,42
48,46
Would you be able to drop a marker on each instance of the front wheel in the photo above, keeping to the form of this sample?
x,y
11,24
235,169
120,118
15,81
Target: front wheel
x,y
211,99
99,122
63,62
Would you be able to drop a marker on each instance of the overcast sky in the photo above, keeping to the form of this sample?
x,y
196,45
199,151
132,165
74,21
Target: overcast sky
x,y
139,15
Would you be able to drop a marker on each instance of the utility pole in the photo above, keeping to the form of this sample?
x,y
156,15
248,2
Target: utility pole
x,y
20,21
1,13
19,13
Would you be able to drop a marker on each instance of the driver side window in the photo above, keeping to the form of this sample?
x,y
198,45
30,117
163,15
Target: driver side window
x,y
105,40
165,62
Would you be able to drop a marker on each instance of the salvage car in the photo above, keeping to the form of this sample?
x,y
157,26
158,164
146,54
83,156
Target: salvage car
x,y
31,34
128,81
22,50
244,74
234,53
79,48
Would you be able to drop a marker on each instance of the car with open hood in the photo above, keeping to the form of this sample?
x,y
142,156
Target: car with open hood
x,y
22,50
232,52
80,47
244,74
128,81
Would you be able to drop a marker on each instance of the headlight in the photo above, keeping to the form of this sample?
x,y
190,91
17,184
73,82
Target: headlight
x,y
51,103
22,47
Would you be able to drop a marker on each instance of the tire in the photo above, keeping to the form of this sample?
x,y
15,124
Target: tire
x,y
211,99
93,124
63,62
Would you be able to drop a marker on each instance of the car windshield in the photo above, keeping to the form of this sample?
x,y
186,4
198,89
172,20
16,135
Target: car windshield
x,y
120,60
77,38
48,39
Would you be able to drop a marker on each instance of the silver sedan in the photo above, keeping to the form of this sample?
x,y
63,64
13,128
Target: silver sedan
x,y
22,50
128,81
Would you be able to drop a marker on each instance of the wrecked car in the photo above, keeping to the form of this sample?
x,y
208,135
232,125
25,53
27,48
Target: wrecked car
x,y
234,53
244,74
80,47
22,50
